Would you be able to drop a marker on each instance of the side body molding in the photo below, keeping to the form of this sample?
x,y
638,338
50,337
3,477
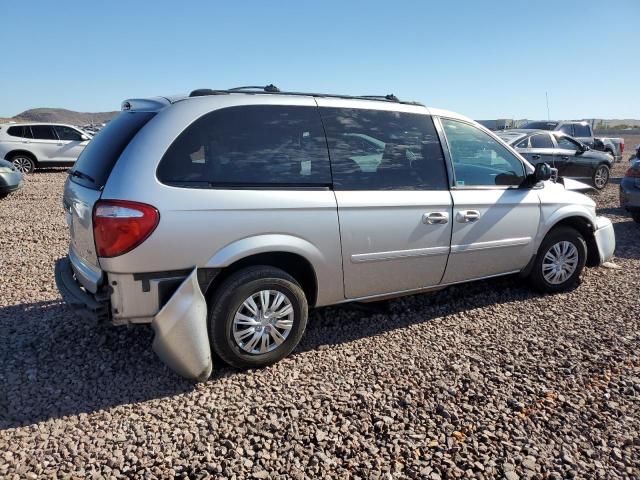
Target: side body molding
x,y
181,335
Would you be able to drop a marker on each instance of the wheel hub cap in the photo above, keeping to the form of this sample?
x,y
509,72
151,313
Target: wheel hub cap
x,y
263,322
560,262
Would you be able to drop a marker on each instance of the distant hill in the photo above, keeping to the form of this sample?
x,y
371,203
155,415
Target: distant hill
x,y
60,115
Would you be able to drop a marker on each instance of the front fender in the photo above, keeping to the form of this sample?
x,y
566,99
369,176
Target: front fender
x,y
265,244
551,219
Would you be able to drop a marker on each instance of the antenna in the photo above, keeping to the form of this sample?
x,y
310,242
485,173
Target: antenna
x,y
548,116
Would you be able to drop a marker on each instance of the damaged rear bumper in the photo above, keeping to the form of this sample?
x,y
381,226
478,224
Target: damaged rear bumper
x,y
181,335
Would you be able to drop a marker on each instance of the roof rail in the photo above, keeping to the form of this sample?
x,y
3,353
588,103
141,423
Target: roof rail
x,y
272,89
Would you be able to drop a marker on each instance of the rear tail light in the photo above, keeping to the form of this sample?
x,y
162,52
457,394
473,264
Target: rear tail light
x,y
119,226
622,146
633,172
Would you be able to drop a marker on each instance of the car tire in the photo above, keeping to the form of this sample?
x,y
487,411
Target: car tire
x,y
237,317
601,176
564,248
23,163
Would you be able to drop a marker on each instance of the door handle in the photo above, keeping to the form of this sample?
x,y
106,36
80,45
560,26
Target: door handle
x,y
433,218
564,157
468,216
535,157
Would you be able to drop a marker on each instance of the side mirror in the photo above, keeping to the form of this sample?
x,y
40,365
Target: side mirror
x,y
84,138
542,172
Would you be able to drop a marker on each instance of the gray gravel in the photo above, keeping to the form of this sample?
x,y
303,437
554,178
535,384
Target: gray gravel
x,y
487,380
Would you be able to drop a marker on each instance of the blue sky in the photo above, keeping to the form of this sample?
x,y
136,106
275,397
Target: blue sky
x,y
485,59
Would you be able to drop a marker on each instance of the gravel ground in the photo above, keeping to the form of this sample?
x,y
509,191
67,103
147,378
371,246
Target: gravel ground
x,y
486,380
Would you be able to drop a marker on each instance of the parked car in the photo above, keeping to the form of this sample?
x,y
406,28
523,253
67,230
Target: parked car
x,y
630,190
40,145
582,132
10,179
572,158
221,217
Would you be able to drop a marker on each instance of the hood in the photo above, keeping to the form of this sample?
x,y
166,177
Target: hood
x,y
557,193
575,185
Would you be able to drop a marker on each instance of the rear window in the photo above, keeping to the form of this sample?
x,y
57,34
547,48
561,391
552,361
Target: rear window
x,y
99,157
580,130
250,146
567,128
540,125
383,150
542,140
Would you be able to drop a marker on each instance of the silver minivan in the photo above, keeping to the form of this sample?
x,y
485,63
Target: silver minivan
x,y
221,217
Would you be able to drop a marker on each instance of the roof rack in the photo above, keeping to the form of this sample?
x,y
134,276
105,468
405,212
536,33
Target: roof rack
x,y
272,89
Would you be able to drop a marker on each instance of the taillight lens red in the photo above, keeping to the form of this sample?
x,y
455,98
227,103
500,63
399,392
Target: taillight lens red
x,y
633,172
622,146
119,226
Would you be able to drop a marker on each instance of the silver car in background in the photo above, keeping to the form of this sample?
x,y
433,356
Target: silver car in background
x,y
221,217
41,145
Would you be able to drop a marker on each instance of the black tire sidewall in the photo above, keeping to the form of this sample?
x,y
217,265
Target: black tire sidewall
x,y
228,299
557,235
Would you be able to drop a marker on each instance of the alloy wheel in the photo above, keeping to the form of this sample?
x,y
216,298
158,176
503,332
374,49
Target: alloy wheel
x,y
23,164
601,177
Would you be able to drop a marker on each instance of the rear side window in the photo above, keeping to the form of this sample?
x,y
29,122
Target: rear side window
x,y
19,131
68,133
100,155
250,146
541,140
581,131
382,150
43,132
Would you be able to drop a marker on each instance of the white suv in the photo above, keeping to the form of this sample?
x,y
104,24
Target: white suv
x,y
39,145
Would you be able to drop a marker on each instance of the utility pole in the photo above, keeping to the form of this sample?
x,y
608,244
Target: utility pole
x,y
548,116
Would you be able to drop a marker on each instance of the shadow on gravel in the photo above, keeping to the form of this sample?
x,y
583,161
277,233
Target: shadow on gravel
x,y
53,363
336,325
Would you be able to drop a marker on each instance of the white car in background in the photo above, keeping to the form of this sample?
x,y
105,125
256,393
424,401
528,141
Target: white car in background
x,y
41,145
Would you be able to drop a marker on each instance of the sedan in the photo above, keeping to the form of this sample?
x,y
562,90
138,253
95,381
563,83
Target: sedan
x,y
10,178
572,158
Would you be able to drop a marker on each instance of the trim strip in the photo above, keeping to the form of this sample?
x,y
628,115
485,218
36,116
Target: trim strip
x,y
396,254
430,288
505,243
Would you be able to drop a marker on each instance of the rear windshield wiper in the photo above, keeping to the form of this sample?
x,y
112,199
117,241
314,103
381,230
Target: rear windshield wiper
x,y
79,174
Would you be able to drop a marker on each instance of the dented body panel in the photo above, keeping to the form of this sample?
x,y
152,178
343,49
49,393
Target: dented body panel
x,y
181,335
